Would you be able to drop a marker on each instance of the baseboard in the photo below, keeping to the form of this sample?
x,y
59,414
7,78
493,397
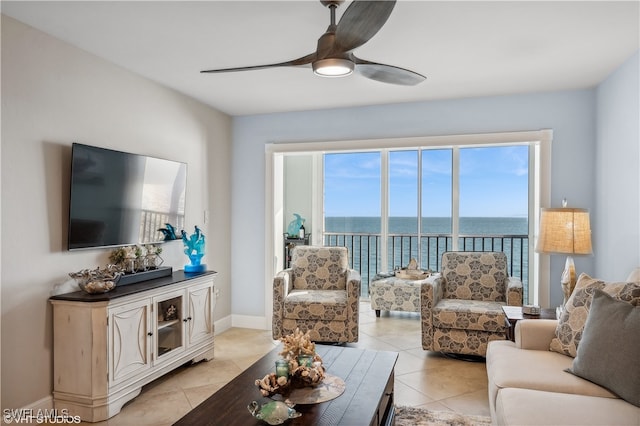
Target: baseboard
x,y
222,325
247,321
44,405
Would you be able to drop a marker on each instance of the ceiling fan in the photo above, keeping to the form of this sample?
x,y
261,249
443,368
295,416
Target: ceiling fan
x,y
334,57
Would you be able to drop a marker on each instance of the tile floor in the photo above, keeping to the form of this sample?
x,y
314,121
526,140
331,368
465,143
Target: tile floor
x,y
425,379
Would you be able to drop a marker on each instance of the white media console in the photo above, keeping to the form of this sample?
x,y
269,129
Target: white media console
x,y
107,346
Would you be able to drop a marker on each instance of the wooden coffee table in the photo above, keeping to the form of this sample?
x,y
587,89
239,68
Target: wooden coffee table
x,y
367,399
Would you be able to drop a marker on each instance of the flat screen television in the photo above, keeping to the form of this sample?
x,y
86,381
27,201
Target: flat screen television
x,y
118,198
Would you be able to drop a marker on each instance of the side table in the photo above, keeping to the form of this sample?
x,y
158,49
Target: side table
x,y
513,314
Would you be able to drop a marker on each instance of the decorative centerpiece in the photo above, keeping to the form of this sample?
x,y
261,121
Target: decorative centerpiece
x,y
134,259
300,366
411,272
152,259
97,280
194,249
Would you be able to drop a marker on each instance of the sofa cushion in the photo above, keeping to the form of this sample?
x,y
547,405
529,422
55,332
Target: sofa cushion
x,y
574,316
510,367
609,351
469,315
328,305
530,407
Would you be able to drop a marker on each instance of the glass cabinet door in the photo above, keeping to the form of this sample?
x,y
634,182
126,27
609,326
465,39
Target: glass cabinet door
x,y
170,329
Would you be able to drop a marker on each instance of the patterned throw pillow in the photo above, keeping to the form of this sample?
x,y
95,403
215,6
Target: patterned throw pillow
x,y
571,323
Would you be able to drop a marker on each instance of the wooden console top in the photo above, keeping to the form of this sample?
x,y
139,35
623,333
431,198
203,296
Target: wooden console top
x,y
127,290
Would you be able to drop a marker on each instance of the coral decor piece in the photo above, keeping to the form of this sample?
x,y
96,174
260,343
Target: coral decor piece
x,y
194,249
305,366
296,344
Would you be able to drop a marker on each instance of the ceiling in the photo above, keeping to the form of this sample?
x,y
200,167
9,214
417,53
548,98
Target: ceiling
x,y
465,48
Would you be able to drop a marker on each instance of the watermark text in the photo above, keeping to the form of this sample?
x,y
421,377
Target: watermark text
x,y
39,416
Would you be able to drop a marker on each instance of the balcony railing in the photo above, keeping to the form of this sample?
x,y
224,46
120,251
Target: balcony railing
x,y
364,252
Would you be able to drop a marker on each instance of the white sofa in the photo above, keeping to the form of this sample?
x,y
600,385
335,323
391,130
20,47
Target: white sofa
x,y
528,384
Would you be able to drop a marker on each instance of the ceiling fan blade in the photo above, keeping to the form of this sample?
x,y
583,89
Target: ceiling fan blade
x,y
361,21
305,60
387,73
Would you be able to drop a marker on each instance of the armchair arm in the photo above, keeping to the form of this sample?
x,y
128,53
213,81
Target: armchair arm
x,y
353,304
514,291
353,284
282,283
281,287
431,292
430,295
535,334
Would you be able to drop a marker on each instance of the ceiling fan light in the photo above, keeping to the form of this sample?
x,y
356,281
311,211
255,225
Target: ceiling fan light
x,y
333,67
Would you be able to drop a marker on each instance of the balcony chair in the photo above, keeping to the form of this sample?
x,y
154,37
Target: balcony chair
x,y
319,294
461,308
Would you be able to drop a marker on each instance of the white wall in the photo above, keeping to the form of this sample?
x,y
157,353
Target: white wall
x,y
298,178
570,114
617,232
54,94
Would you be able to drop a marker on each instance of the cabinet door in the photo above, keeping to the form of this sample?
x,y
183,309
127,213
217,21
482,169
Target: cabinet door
x,y
200,319
129,340
170,321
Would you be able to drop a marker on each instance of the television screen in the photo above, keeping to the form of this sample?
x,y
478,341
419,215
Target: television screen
x,y
119,198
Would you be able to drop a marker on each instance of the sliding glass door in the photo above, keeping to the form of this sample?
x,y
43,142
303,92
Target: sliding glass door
x,y
439,193
391,206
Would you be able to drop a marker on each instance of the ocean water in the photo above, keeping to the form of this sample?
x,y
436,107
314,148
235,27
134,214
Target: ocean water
x,y
430,225
361,236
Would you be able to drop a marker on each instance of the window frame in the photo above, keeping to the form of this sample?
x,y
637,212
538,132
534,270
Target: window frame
x,y
539,142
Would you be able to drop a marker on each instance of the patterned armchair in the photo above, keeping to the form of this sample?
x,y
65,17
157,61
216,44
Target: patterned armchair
x,y
462,308
318,293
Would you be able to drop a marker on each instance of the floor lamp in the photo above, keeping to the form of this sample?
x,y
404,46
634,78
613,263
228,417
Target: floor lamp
x,y
565,231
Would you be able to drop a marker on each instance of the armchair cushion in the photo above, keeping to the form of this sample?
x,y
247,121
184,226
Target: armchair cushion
x,y
320,268
475,276
316,304
469,315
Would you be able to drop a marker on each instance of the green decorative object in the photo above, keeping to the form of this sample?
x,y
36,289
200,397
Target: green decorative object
x,y
293,230
274,412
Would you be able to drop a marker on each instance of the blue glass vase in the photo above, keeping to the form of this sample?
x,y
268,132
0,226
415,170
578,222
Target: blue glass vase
x,y
195,265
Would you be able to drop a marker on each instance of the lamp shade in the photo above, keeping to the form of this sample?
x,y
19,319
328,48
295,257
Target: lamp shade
x,y
564,230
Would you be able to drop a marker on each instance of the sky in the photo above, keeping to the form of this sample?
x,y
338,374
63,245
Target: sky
x,y
493,183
